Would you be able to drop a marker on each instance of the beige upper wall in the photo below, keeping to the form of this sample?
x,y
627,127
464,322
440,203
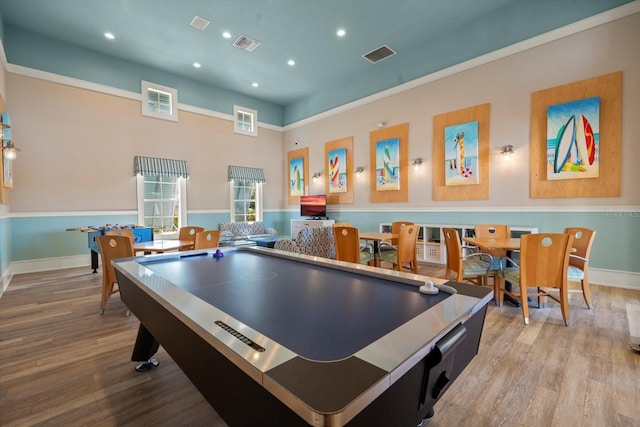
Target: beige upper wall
x,y
507,85
78,145
78,148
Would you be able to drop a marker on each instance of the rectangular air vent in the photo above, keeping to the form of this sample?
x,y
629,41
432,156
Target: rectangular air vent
x,y
199,23
246,43
379,54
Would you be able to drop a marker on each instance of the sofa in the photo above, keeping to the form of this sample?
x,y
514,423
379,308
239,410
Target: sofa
x,y
242,230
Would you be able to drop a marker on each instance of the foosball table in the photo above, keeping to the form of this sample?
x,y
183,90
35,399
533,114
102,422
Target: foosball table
x,y
140,234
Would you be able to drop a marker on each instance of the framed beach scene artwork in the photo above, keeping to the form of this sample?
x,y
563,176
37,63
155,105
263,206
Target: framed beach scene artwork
x,y
573,139
388,165
298,171
296,177
461,154
337,162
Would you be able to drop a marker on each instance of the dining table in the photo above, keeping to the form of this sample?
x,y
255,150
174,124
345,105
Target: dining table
x,y
494,243
376,238
161,246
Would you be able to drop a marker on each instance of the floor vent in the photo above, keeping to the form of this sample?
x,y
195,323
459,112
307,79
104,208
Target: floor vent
x,y
246,43
199,23
379,54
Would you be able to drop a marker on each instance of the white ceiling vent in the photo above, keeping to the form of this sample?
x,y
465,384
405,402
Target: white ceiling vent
x,y
246,43
379,54
199,23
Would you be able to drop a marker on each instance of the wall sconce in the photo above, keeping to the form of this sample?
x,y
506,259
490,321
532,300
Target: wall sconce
x,y
507,152
316,176
381,124
417,163
359,170
10,151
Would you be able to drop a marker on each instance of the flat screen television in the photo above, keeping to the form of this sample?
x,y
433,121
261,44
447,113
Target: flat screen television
x,y
313,206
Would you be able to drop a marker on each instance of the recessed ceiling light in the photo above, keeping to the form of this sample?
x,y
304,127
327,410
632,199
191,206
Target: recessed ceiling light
x,y
341,32
291,62
254,84
197,65
226,35
110,36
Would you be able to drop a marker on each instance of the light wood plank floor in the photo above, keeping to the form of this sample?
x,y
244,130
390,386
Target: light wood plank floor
x,y
61,363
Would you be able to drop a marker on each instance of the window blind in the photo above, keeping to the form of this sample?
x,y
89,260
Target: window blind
x,y
154,166
247,174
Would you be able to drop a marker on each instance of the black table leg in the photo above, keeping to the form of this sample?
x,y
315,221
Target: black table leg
x,y
145,347
94,261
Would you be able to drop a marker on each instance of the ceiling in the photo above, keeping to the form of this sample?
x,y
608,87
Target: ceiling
x,y
428,35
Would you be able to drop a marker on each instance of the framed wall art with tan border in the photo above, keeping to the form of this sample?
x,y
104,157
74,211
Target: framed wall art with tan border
x,y
339,180
575,147
298,167
461,154
389,164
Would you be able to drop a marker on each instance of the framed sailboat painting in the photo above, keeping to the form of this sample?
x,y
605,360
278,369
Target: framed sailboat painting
x,y
573,139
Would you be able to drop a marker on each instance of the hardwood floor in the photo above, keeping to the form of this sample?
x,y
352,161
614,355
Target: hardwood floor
x,y
61,363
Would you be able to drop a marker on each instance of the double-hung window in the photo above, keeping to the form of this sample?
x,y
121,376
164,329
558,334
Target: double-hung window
x,y
246,193
162,193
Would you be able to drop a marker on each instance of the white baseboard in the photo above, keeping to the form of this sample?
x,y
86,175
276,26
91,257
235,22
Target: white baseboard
x,y
615,278
597,276
47,264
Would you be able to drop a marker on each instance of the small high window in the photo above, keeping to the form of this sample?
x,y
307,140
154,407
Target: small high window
x,y
159,101
245,120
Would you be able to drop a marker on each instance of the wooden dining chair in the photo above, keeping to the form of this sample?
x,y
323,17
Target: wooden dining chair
x,y
111,247
498,231
473,268
189,234
207,239
405,254
347,240
342,224
544,260
579,260
123,232
392,244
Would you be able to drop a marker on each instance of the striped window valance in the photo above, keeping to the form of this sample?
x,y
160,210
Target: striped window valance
x,y
247,174
154,166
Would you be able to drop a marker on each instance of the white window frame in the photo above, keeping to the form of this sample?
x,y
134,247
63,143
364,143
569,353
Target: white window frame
x,y
182,206
173,95
258,201
239,126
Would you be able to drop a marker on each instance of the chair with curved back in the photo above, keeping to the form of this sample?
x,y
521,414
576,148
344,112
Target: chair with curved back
x,y
392,245
317,241
123,232
405,254
544,260
347,240
498,231
342,224
473,267
287,245
579,260
207,239
111,247
188,233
